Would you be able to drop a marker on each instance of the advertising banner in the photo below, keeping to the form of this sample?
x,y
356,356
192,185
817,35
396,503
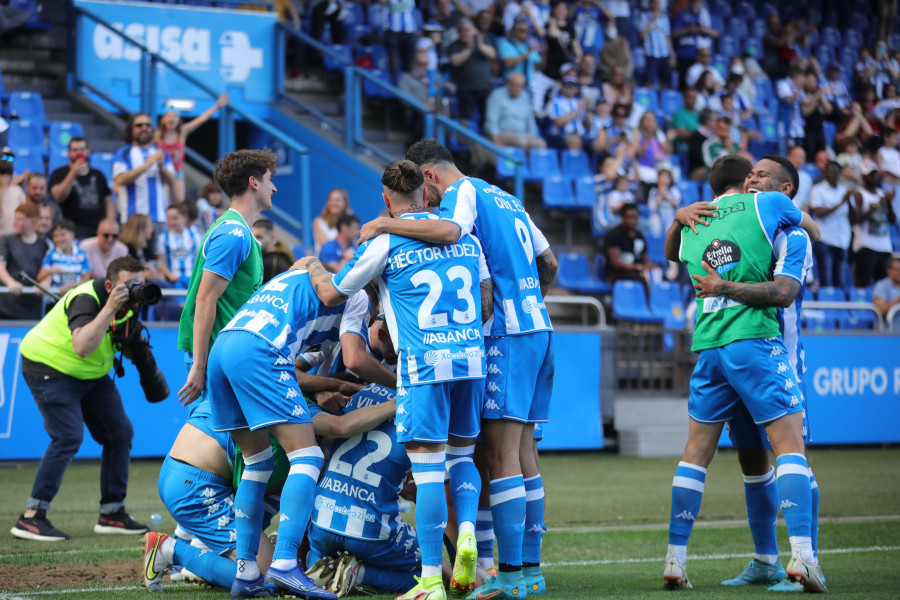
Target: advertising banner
x,y
227,50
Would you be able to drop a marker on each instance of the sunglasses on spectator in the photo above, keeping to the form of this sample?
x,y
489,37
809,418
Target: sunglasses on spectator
x,y
111,236
142,125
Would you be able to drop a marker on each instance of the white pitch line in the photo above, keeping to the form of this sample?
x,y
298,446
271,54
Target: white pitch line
x,y
717,524
28,595
625,561
61,552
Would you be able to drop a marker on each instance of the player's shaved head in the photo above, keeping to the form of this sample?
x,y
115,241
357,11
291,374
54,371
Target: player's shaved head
x,y
728,173
429,152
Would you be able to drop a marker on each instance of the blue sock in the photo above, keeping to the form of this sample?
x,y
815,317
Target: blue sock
x,y
508,506
297,500
208,565
431,504
385,580
484,535
795,500
248,510
814,524
465,484
687,493
534,520
762,510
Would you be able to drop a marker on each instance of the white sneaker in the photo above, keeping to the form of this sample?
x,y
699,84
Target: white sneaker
x,y
675,576
810,575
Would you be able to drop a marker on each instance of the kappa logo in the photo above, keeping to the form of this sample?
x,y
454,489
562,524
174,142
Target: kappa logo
x,y
407,546
283,518
494,351
536,529
686,515
493,387
467,486
232,535
208,492
291,393
493,369
788,384
401,392
224,520
282,360
214,508
401,428
782,368
285,376
441,526
787,504
776,352
491,405
794,401
298,410
239,514
237,232
401,411
799,232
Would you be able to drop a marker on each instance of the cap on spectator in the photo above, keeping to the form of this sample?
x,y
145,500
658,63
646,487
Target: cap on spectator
x,y
569,81
424,43
566,67
431,26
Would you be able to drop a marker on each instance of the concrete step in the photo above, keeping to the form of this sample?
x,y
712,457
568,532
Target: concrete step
x,y
648,411
648,442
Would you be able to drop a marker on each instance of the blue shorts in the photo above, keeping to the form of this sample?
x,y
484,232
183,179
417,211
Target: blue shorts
x,y
201,502
744,433
428,412
400,552
756,372
519,377
251,384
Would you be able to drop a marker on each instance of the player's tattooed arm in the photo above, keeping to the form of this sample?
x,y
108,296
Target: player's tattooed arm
x,y
546,268
487,300
320,278
780,292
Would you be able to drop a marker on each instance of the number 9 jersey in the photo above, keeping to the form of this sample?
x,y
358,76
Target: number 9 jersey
x,y
510,242
431,296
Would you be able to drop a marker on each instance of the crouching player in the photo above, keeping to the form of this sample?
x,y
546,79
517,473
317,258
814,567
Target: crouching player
x,y
428,295
195,484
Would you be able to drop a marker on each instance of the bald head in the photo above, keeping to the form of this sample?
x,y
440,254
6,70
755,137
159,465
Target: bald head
x,y
515,84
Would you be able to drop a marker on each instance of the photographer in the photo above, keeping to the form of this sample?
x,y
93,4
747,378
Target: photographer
x,y
66,360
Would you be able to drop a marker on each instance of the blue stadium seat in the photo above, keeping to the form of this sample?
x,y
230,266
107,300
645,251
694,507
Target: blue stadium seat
x,y
506,169
24,134
728,46
859,319
737,28
769,129
630,303
640,60
377,15
29,160
61,132
542,163
859,23
575,164
758,28
28,105
3,95
753,47
745,11
58,158
371,90
671,102
666,300
894,41
811,170
345,52
853,40
830,36
765,97
706,194
598,270
352,33
825,54
102,161
830,131
646,98
33,8
557,192
575,275
689,192
355,14
656,247
585,196
720,63
721,9
832,316
379,57
454,143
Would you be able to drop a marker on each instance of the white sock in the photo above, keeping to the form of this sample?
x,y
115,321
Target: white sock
x,y
802,546
168,549
769,559
284,564
678,552
247,569
486,563
466,527
431,570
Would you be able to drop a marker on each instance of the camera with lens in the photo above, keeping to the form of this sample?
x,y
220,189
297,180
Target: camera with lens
x,y
140,292
136,348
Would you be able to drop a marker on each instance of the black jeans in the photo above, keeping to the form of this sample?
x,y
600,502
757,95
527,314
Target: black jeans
x,y
67,405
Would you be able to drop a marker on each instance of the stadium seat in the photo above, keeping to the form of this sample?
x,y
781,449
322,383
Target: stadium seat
x,y
372,90
102,161
506,169
859,23
29,160
575,164
811,170
758,28
3,95
825,54
557,192
345,52
61,132
646,98
585,196
377,16
737,29
453,141
720,63
753,47
853,40
26,135
33,8
847,59
859,319
640,61
671,102
706,194
728,46
830,36
598,269
58,158
689,192
832,316
656,248
29,106
745,11
721,9
630,303
355,14
575,275
542,163
666,300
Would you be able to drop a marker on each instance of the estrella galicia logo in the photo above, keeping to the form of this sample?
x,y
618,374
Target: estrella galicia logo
x,y
722,255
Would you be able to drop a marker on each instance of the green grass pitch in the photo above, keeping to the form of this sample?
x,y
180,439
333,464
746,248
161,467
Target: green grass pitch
x,y
607,517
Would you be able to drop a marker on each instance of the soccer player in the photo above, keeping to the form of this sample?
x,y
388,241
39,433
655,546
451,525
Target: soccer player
x,y
522,267
742,358
195,483
428,296
228,268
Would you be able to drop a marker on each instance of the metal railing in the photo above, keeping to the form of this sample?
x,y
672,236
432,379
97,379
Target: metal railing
x,y
585,303
890,318
148,68
435,125
866,306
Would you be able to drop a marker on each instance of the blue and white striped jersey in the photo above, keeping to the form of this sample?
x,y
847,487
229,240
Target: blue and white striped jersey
x,y
793,258
73,265
431,299
510,242
147,195
180,249
287,313
401,16
357,312
358,493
